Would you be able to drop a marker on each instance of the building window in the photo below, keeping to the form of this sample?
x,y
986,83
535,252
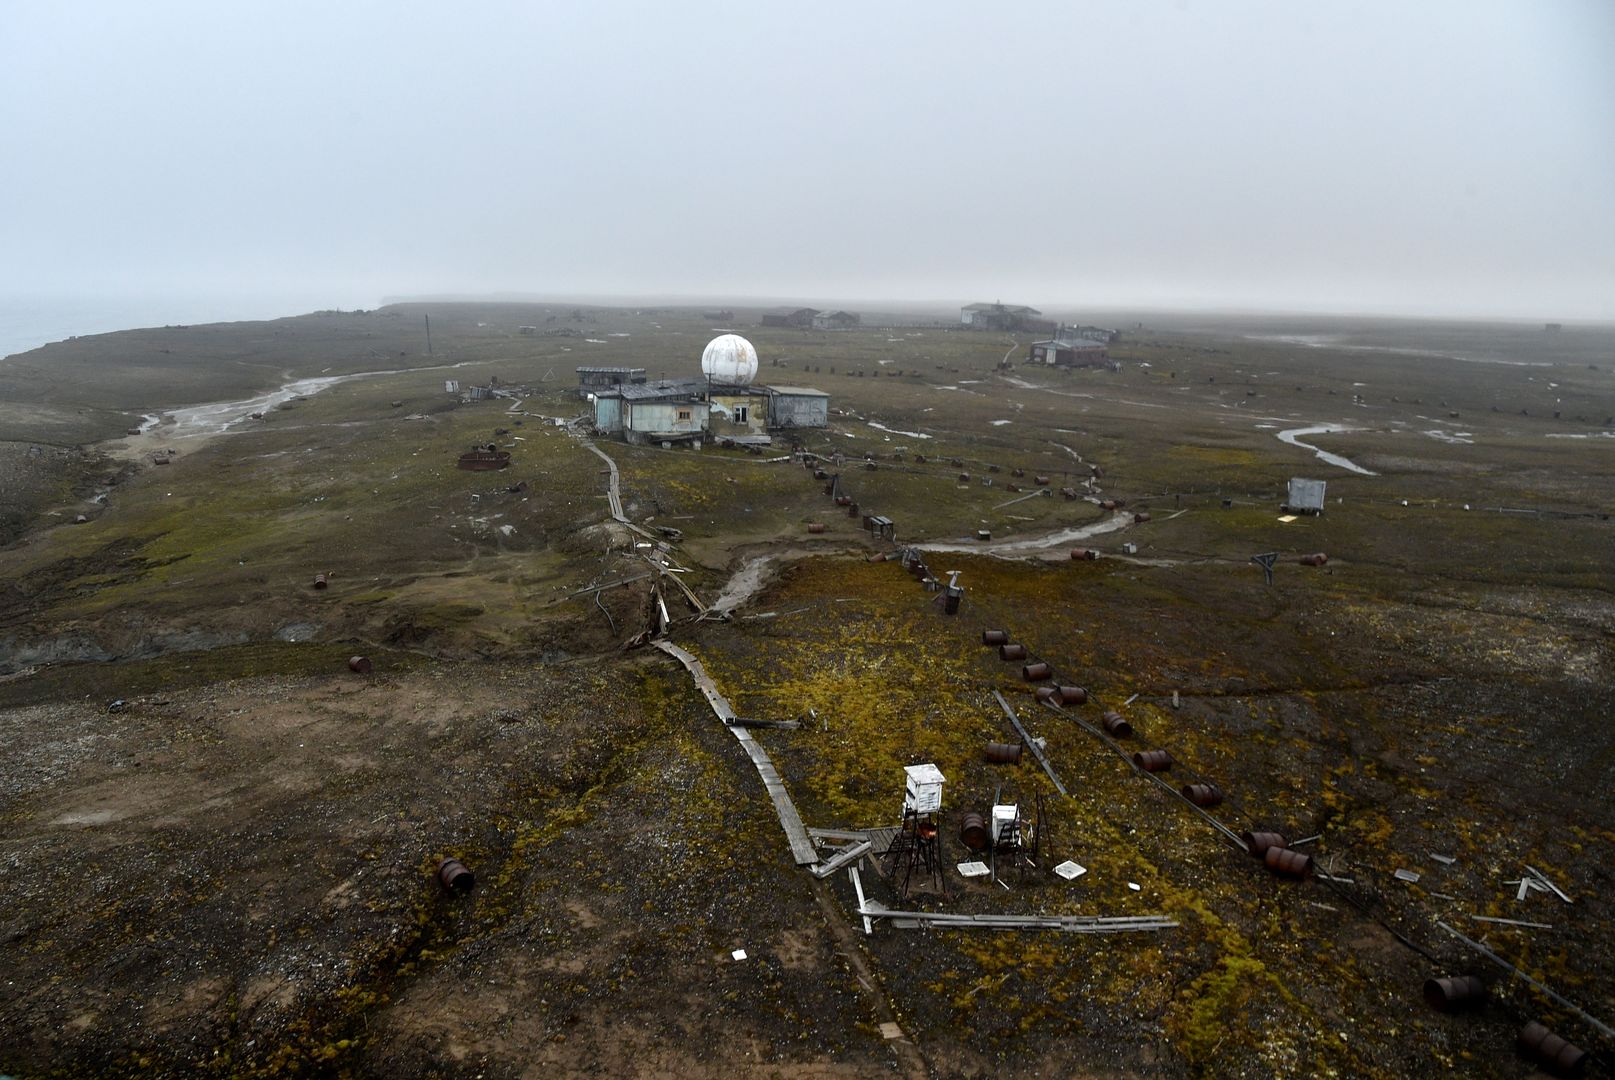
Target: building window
x,y
684,414
741,413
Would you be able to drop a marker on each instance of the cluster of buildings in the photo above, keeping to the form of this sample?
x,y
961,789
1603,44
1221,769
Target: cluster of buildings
x,y
722,404
812,319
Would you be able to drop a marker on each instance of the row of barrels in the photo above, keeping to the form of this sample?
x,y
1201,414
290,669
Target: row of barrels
x,y
1282,861
1446,994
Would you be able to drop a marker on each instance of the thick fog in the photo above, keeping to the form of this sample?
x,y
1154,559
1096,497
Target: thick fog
x,y
1438,157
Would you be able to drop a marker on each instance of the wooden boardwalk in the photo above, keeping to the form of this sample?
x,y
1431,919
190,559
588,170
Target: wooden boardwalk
x,y
802,849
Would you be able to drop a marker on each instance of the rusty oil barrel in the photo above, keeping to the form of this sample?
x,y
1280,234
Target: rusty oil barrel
x,y
1317,558
1141,517
973,832
1286,862
919,569
454,877
1454,992
1049,695
964,478
1011,651
815,527
852,509
1257,843
1153,760
320,581
1017,472
879,556
1552,1052
1035,671
1041,481
1117,725
820,474
359,664
1083,554
1003,753
995,637
1073,695
1204,796
843,500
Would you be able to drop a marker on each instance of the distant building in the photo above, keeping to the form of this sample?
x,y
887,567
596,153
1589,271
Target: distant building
x,y
801,317
1004,317
1553,326
527,331
591,379
721,314
835,320
1069,354
1088,333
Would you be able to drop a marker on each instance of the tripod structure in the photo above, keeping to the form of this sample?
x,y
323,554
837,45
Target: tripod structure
x,y
916,847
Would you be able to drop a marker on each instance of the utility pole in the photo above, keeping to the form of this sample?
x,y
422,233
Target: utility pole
x,y
428,335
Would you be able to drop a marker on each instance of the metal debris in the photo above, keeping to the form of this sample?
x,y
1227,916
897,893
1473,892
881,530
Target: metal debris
x,y
1406,875
1540,876
1444,860
1070,870
1511,922
973,869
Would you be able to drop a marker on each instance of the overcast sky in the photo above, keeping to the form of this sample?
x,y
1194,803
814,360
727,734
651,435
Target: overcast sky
x,y
1452,157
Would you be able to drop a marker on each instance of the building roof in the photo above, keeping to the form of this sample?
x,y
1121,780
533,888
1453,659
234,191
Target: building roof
x,y
611,371
1007,309
798,391
1079,343
671,389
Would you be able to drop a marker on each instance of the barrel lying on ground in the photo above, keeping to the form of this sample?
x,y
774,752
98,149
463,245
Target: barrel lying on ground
x,y
1153,760
1034,672
1073,695
995,637
1117,725
1204,796
1003,753
454,877
1012,652
1454,992
1257,843
359,664
1287,863
1552,1052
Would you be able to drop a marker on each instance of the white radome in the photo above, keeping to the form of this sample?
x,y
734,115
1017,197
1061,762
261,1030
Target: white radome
x,y
730,360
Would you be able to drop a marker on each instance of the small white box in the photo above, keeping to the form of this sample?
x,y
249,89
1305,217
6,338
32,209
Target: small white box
x,y
923,790
1006,822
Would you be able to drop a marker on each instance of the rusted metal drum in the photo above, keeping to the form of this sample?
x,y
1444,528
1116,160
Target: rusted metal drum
x,y
1083,554
1117,725
843,500
1257,843
870,466
1073,695
1552,1052
1069,493
964,478
1110,504
1288,863
1035,671
1202,795
1041,481
454,877
820,474
1315,559
1048,694
918,569
320,581
879,556
1003,753
1140,518
973,832
852,509
815,526
1013,489
1012,652
1153,760
995,637
1454,992
360,664
992,468
1017,472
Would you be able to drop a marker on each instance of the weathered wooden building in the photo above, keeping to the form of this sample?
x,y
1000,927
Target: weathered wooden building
x,y
801,318
1004,317
835,320
1075,353
797,407
592,379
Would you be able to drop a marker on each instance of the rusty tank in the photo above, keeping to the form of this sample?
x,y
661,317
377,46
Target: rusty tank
x,y
1287,863
1073,695
1551,1051
1454,992
359,665
1257,843
995,637
484,459
1117,725
454,877
1011,651
1153,760
1003,753
1035,671
1204,796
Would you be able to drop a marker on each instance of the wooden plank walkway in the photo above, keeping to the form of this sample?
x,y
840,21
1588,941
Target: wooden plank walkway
x,y
802,849
1071,924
